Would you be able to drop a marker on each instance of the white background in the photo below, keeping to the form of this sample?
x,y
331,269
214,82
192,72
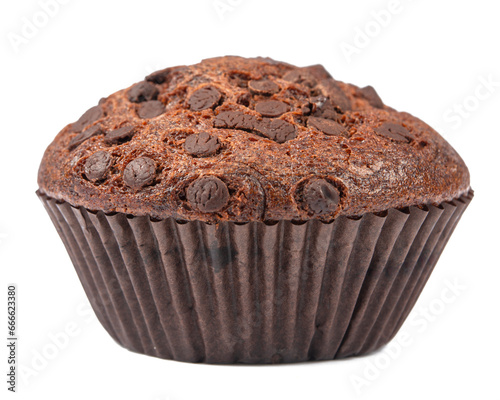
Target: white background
x,y
425,57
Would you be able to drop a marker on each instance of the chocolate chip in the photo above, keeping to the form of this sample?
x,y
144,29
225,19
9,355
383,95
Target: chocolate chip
x,y
336,95
143,91
202,144
166,74
271,108
328,113
318,71
325,109
302,77
97,166
369,93
244,99
276,129
89,116
150,109
208,194
206,97
327,126
83,136
263,87
120,134
235,120
321,196
140,172
239,78
394,132
296,94
158,76
307,108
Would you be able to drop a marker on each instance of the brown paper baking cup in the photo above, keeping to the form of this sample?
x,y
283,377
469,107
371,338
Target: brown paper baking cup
x,y
253,292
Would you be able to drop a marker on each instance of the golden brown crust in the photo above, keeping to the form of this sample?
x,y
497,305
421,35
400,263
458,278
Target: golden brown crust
x,y
267,130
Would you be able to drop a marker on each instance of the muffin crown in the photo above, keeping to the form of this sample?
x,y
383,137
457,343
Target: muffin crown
x,y
236,139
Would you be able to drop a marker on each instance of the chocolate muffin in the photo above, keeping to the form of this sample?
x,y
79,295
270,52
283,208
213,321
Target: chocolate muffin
x,y
250,211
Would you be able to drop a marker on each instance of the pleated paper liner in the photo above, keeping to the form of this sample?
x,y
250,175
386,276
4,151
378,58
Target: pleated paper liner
x,y
254,293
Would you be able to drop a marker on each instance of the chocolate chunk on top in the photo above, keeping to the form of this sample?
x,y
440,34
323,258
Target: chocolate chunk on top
x,y
207,194
321,196
143,91
235,120
272,128
265,87
158,76
83,136
327,126
301,76
150,109
139,173
167,74
202,144
97,166
395,132
120,134
203,98
337,96
325,109
370,94
318,71
276,129
271,108
88,117
244,99
307,108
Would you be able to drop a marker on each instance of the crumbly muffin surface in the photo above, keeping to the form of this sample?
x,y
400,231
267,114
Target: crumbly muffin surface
x,y
236,139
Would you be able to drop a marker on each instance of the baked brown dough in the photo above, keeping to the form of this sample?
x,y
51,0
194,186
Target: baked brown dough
x,y
237,139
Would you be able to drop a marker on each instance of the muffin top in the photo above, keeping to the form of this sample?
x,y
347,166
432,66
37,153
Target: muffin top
x,y
249,139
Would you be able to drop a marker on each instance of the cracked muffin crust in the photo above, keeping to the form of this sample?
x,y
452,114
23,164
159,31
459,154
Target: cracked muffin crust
x,y
236,139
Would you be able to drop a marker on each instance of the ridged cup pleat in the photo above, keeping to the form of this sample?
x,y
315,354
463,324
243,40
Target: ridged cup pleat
x,y
367,310
455,210
254,292
83,262
123,279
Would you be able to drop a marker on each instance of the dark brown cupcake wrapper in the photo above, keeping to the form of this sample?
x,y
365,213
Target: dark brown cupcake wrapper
x,y
254,293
